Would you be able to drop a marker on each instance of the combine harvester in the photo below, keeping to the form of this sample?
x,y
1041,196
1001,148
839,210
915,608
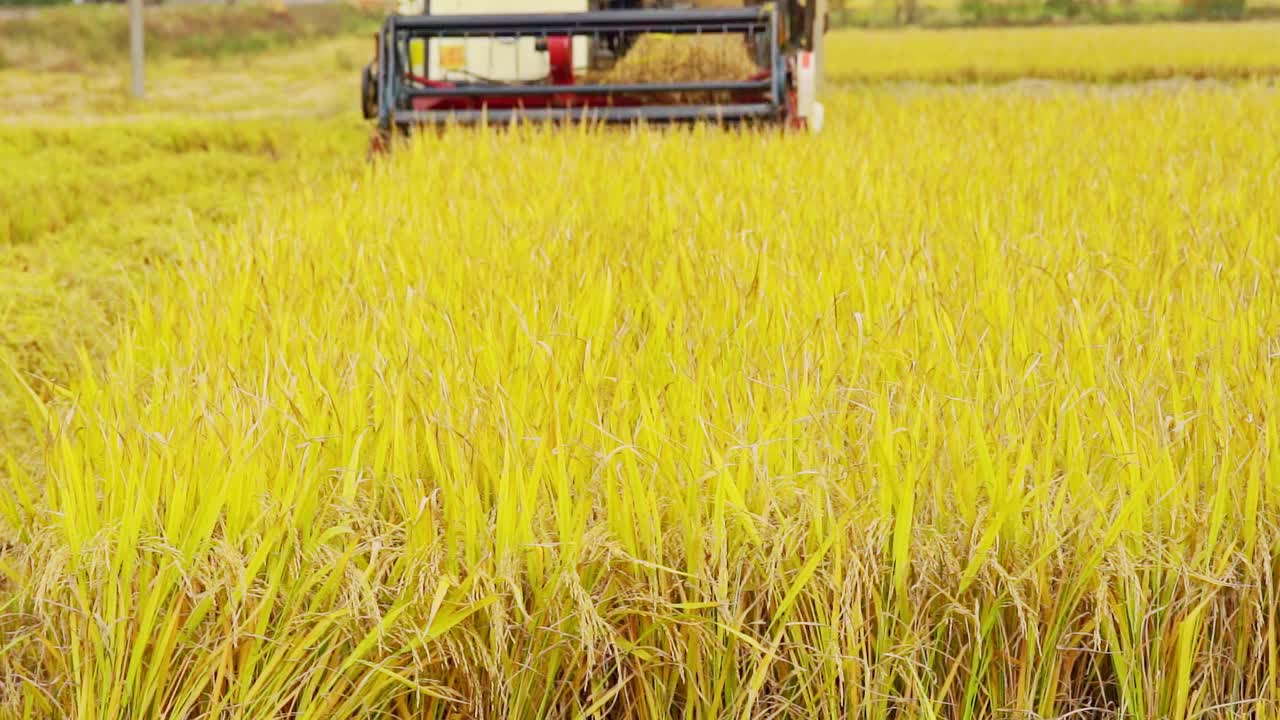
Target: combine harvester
x,y
611,61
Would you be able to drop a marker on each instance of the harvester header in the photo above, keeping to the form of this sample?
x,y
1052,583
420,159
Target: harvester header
x,y
613,65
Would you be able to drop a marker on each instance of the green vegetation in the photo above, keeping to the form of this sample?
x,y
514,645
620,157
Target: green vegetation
x,y
83,38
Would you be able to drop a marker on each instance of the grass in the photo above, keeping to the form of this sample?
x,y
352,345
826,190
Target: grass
x,y
967,406
85,38
315,80
1086,53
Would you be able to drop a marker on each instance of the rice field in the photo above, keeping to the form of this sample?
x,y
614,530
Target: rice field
x,y
313,78
93,207
966,407
1085,53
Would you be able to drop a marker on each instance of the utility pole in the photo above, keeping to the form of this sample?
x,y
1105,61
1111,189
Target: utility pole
x,y
136,84
821,17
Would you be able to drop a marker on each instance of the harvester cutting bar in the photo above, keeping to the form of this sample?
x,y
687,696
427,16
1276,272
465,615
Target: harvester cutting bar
x,y
602,89
426,68
647,113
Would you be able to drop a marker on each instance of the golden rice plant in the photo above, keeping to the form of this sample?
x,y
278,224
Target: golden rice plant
x,y
1090,53
87,208
965,408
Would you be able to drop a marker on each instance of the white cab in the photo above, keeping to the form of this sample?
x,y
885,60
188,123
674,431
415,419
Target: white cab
x,y
494,59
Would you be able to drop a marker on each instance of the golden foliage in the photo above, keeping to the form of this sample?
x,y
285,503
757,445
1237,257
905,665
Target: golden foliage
x,y
967,406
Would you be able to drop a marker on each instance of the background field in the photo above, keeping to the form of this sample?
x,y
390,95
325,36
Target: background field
x,y
306,65
84,38
1084,53
1013,13
92,208
965,407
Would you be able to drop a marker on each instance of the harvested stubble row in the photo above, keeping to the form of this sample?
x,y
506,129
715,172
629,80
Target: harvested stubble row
x,y
967,407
